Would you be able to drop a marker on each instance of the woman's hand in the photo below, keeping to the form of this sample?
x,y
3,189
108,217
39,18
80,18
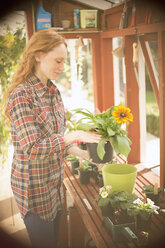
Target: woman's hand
x,y
76,151
83,136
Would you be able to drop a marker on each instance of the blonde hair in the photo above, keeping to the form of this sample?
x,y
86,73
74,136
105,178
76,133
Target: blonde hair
x,y
41,41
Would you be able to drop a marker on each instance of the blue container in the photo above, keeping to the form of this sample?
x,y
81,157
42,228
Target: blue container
x,y
43,18
76,18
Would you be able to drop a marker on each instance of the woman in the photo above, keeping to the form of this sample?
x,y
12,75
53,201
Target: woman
x,y
36,112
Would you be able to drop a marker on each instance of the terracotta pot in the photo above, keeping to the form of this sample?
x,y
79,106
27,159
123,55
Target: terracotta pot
x,y
92,149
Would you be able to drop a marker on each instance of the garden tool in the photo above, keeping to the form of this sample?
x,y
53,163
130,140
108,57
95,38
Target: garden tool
x,y
135,60
124,17
119,51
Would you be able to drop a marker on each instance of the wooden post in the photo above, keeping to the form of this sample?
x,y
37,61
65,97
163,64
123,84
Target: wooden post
x,y
96,70
107,79
132,101
30,19
161,55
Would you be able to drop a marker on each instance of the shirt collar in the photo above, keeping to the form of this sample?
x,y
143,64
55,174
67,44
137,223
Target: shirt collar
x,y
40,87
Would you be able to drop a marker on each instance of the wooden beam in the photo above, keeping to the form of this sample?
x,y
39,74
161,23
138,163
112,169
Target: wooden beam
x,y
29,19
140,29
132,101
161,55
150,70
107,74
96,72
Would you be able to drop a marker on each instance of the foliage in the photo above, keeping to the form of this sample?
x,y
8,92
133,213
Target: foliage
x,y
108,126
72,158
85,165
149,189
11,48
143,209
104,196
118,199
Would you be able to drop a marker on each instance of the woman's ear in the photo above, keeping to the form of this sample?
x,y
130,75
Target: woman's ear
x,y
37,56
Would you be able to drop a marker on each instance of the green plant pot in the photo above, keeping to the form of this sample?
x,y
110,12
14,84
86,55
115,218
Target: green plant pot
x,y
120,176
119,232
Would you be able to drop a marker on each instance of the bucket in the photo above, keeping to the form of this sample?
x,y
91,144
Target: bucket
x,y
120,176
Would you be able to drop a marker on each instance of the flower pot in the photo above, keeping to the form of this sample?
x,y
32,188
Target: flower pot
x,y
119,232
107,210
120,176
83,146
154,197
99,180
74,165
94,171
142,224
92,149
84,176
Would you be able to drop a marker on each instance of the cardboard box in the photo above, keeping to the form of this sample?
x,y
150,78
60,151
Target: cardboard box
x,y
88,18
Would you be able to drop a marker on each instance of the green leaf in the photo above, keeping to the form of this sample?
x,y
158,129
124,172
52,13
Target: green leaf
x,y
85,126
120,144
102,202
100,148
110,132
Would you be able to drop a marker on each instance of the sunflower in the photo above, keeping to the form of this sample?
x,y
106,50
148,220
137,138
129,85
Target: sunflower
x,y
122,114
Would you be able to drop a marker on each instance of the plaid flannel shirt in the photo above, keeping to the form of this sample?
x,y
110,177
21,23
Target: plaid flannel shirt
x,y
38,122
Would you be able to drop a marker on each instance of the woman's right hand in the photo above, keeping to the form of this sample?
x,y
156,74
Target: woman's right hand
x,y
83,136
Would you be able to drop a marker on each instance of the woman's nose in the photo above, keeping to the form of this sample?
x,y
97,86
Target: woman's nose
x,y
61,66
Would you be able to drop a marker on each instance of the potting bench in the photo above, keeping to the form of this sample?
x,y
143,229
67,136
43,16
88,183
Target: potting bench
x,y
87,214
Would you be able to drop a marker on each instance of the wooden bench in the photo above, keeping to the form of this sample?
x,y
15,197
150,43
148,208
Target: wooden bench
x,y
90,214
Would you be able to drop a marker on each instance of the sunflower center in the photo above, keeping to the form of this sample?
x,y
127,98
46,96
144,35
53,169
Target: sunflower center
x,y
122,114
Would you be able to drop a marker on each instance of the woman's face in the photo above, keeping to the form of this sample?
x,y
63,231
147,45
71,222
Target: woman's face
x,y
51,64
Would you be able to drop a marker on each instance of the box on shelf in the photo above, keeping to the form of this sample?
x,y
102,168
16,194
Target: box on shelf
x,y
88,18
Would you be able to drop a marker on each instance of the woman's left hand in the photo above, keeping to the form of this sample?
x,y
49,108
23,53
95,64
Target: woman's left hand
x,y
76,151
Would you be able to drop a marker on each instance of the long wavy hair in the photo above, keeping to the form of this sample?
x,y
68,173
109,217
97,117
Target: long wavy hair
x,y
41,41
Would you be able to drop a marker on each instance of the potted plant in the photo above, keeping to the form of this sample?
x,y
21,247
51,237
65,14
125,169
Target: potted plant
x,y
143,212
120,224
84,171
152,192
103,201
74,163
108,124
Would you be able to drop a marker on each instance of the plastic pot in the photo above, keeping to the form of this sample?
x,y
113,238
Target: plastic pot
x,y
74,165
84,176
154,197
143,225
92,149
107,210
120,232
120,176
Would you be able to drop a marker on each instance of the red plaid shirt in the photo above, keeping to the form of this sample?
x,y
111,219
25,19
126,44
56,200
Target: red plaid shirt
x,y
38,123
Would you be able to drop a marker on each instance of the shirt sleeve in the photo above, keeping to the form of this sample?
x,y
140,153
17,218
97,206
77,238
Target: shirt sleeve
x,y
34,144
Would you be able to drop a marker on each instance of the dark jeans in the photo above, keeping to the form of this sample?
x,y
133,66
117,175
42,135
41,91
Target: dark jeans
x,y
42,234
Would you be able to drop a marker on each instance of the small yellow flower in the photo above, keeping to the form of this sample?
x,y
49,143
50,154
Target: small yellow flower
x,y
122,114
